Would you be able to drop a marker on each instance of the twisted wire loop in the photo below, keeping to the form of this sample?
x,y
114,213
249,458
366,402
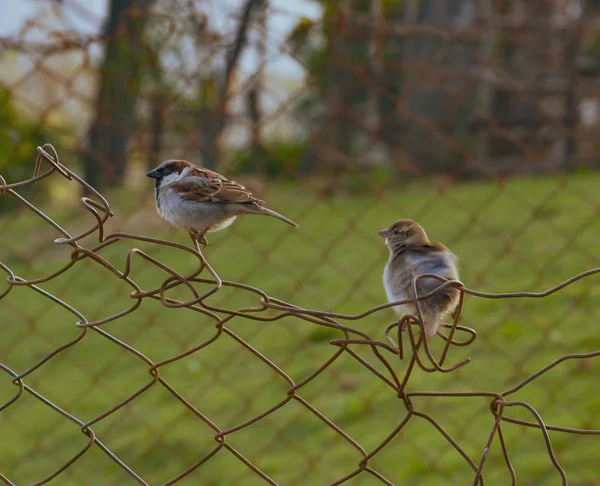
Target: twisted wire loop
x,y
387,350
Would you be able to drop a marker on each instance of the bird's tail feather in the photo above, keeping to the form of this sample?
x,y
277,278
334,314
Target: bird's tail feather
x,y
270,212
431,324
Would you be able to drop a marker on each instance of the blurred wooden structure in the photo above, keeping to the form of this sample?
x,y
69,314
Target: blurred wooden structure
x,y
528,96
518,67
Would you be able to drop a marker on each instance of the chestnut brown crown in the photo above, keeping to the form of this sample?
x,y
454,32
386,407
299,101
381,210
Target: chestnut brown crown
x,y
169,167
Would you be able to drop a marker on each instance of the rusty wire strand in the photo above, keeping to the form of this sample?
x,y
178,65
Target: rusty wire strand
x,y
419,354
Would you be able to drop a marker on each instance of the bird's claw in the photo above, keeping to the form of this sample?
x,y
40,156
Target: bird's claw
x,y
200,238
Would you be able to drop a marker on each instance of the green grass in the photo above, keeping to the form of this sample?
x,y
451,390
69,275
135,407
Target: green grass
x,y
527,234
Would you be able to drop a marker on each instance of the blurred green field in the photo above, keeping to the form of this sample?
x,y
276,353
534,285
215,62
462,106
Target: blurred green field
x,y
527,234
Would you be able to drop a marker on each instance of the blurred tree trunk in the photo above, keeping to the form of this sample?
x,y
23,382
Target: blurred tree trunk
x,y
253,97
419,102
424,103
157,129
119,85
337,130
376,69
158,107
390,107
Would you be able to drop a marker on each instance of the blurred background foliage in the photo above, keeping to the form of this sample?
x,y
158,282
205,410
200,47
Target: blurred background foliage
x,y
19,137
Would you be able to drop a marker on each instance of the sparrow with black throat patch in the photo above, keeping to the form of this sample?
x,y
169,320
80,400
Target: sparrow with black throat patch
x,y
413,254
200,200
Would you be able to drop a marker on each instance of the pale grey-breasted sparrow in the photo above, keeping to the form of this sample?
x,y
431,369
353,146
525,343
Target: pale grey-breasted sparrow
x,y
412,254
200,200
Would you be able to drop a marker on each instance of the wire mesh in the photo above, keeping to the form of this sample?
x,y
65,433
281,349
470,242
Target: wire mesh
x,y
476,119
384,351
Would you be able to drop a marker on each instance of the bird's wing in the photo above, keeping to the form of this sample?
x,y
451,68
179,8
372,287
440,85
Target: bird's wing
x,y
432,258
205,185
432,247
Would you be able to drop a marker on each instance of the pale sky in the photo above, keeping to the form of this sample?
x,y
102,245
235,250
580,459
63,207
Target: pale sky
x,y
284,74
86,17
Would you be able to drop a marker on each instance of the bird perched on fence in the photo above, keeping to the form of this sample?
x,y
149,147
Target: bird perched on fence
x,y
412,254
200,200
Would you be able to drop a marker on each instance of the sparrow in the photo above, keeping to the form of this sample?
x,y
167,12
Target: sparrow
x,y
412,254
200,200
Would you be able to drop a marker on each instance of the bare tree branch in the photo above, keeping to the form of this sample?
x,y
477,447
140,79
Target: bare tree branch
x,y
212,120
241,39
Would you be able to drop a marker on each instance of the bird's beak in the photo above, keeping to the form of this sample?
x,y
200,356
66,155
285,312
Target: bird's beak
x,y
385,233
154,174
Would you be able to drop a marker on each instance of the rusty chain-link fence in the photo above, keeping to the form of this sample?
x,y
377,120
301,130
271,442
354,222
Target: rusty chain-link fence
x,y
126,357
